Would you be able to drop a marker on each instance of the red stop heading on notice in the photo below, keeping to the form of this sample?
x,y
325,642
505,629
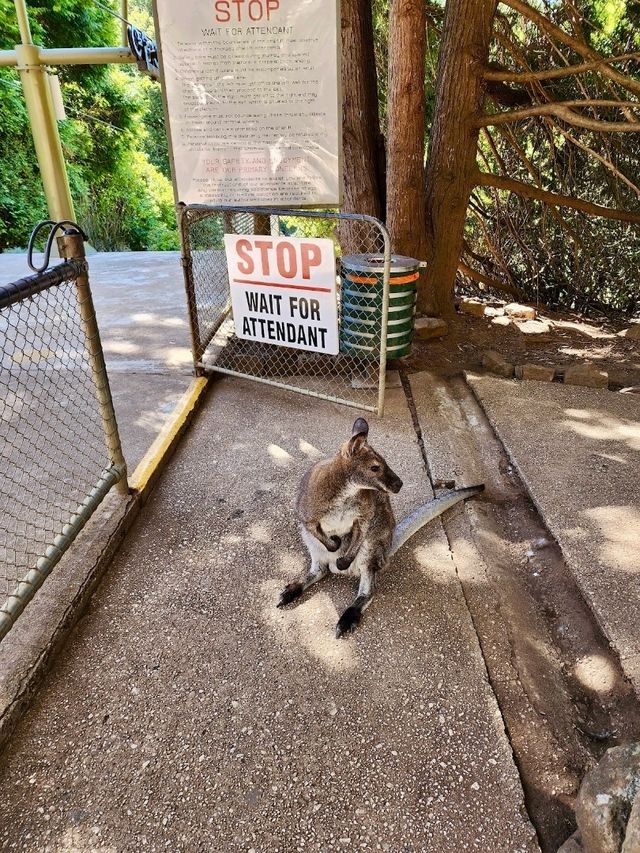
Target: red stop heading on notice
x,y
241,11
288,260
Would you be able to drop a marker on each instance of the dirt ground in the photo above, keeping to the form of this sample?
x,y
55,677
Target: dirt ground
x,y
571,340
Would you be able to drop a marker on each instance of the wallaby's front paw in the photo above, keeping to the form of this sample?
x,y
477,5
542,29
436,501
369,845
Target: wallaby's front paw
x,y
343,563
336,542
290,593
348,621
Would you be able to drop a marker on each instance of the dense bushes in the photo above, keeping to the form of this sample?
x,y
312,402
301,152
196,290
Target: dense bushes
x,y
113,139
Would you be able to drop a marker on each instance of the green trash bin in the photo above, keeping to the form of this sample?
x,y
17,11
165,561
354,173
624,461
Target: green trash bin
x,y
362,284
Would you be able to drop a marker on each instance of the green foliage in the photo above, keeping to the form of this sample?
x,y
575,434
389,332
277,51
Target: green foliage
x,y
154,140
113,140
132,208
21,198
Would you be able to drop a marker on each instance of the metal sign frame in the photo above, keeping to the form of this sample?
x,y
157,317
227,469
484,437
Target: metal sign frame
x,y
209,302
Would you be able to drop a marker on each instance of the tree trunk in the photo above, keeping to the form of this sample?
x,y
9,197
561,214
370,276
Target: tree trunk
x,y
406,193
363,170
451,166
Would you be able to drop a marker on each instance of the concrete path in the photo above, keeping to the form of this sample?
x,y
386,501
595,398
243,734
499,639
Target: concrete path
x,y
141,309
578,451
187,713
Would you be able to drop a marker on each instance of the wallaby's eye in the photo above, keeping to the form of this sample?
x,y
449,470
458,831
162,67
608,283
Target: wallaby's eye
x,y
375,468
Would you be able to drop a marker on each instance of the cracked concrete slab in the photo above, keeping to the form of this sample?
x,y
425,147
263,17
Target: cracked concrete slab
x,y
578,451
188,713
544,651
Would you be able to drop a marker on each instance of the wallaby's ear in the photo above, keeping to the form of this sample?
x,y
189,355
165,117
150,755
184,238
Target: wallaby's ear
x,y
359,435
360,427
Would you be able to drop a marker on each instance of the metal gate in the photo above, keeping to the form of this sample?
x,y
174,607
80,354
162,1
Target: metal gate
x,y
355,379
60,451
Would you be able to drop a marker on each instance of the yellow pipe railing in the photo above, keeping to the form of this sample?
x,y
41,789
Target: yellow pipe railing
x,y
31,61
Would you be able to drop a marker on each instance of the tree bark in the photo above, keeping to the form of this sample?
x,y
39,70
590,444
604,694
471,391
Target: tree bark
x,y
406,194
361,138
451,166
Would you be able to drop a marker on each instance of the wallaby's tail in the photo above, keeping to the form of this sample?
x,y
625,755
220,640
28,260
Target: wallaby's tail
x,y
421,516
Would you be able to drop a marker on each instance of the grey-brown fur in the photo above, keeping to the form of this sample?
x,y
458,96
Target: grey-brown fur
x,y
346,520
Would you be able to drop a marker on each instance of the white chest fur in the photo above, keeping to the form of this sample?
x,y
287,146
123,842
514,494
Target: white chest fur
x,y
342,513
339,521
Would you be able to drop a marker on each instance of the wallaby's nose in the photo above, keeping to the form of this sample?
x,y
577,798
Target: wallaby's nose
x,y
396,485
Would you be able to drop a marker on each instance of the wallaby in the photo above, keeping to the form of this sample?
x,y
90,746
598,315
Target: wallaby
x,y
347,522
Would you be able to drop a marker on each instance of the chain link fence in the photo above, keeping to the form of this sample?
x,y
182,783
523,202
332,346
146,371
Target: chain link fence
x,y
59,446
356,375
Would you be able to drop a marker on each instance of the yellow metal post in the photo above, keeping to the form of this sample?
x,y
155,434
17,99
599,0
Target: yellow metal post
x,y
23,21
44,127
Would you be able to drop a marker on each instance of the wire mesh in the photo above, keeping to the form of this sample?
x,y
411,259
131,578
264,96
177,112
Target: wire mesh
x,y
52,445
353,375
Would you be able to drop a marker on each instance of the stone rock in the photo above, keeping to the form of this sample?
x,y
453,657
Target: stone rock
x,y
633,332
534,327
522,312
501,321
427,328
469,306
632,833
490,311
623,374
535,372
493,361
572,844
587,375
605,798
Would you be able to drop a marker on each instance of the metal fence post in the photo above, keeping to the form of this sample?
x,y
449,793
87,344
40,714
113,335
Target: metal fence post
x,y
71,247
187,270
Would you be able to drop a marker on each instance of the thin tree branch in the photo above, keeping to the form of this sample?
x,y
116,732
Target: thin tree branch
x,y
480,277
494,249
554,125
509,137
604,160
484,179
575,44
552,73
564,110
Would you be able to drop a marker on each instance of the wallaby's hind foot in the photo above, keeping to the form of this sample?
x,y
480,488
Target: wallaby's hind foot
x,y
291,591
353,614
348,621
295,589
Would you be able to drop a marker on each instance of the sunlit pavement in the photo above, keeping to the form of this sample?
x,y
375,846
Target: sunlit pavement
x,y
578,451
188,713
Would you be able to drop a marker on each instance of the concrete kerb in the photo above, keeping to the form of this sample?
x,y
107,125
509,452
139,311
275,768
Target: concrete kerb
x,y
28,651
594,597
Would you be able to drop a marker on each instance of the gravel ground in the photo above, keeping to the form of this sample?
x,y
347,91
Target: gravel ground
x,y
187,713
